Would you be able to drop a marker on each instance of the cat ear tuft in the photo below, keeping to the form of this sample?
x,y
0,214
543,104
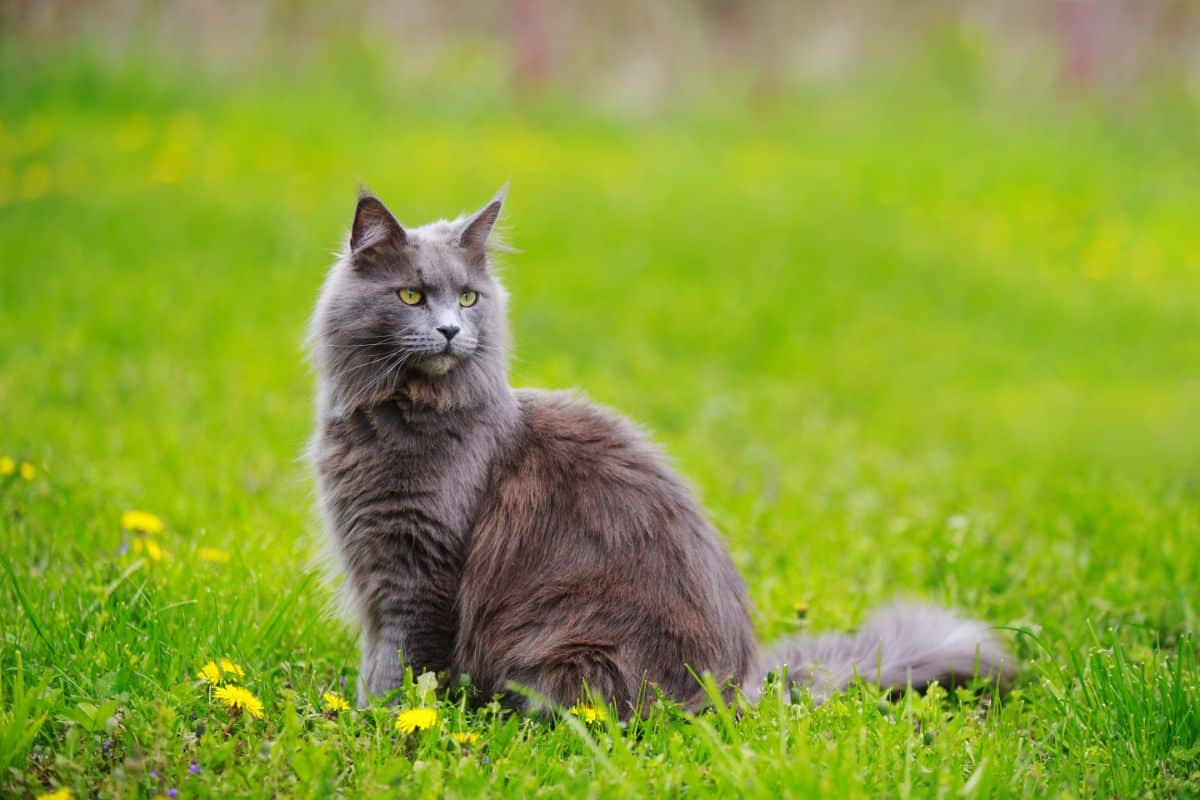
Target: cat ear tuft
x,y
479,226
374,224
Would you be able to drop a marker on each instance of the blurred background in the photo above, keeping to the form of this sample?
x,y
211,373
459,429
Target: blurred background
x,y
867,269
630,55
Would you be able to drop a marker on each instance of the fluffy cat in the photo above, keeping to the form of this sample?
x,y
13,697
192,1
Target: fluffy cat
x,y
527,536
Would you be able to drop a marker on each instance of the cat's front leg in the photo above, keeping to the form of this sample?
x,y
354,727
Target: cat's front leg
x,y
381,668
417,634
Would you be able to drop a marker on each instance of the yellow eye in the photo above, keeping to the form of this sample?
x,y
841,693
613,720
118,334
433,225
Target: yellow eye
x,y
467,298
410,297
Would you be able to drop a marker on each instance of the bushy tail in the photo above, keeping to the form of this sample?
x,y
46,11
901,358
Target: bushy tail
x,y
899,646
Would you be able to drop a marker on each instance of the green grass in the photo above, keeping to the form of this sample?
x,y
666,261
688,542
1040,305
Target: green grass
x,y
903,342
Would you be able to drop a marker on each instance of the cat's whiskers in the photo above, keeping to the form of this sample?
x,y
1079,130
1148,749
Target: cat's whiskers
x,y
380,359
352,372
362,345
380,382
344,375
388,379
489,349
360,341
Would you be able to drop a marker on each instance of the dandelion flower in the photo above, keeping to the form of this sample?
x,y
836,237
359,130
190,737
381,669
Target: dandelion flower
x,y
416,719
213,555
154,550
60,794
141,521
589,713
7,466
28,471
335,702
217,675
151,548
240,699
465,738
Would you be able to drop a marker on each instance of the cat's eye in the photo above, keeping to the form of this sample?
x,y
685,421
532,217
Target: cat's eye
x,y
468,298
410,297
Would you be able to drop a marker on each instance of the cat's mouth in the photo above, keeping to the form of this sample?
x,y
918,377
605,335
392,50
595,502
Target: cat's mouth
x,y
437,364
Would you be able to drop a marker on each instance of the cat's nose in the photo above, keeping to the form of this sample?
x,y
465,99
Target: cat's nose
x,y
449,331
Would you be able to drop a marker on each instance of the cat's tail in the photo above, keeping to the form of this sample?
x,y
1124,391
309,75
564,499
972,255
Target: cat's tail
x,y
898,647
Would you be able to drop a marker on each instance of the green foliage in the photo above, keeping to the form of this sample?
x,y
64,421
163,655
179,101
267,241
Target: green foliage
x,y
22,718
904,343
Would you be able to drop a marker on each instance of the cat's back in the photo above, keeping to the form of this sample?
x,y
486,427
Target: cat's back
x,y
594,463
564,436
591,554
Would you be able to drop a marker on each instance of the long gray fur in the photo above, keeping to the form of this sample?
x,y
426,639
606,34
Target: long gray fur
x,y
531,537
898,646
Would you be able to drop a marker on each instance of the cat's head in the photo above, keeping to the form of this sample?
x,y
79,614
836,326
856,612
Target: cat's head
x,y
416,310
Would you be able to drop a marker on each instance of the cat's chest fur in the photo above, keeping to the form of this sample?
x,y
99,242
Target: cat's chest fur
x,y
402,483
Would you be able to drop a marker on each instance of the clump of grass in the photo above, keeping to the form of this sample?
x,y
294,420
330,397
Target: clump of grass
x,y
1127,721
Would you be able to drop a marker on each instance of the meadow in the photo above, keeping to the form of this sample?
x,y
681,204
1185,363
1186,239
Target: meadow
x,y
910,340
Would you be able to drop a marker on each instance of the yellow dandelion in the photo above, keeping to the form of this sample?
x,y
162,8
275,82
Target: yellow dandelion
x,y
7,466
213,555
28,471
60,794
216,675
151,548
335,702
154,550
239,699
589,713
416,719
141,521
465,738
801,610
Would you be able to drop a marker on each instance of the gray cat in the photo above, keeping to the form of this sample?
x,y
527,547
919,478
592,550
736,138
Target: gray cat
x,y
527,536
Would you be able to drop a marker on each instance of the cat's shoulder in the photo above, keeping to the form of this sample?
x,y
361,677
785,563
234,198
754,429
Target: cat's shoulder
x,y
567,411
568,419
568,446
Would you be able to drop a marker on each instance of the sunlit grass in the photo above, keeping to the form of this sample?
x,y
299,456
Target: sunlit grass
x,y
900,348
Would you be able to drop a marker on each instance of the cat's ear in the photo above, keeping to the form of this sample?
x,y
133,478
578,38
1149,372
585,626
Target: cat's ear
x,y
374,224
478,227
